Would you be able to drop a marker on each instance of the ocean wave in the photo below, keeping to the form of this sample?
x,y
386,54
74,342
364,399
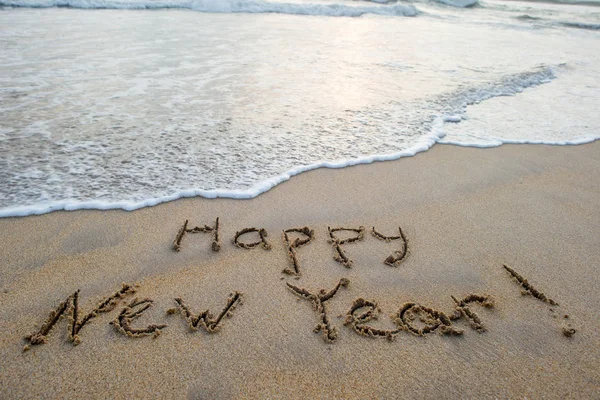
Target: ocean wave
x,y
580,25
526,17
227,6
554,23
451,107
459,3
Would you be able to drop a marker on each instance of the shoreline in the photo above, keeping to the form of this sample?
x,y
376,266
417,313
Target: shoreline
x,y
465,212
254,190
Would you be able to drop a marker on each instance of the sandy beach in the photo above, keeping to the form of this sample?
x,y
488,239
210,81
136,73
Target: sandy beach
x,y
464,213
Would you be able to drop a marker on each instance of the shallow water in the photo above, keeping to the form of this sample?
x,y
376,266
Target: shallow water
x,y
126,108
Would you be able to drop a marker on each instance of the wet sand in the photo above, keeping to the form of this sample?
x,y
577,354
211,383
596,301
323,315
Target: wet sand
x,y
464,213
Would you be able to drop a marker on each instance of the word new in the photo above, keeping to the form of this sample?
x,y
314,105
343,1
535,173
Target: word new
x,y
123,322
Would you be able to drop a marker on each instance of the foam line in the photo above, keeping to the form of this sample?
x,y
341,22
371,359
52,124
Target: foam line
x,y
254,191
500,142
249,193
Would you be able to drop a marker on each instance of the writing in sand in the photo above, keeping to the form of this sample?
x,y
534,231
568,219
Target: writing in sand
x,y
410,318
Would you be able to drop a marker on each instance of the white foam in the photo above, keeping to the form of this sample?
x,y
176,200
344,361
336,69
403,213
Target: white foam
x,y
453,118
227,6
261,187
500,142
253,191
455,103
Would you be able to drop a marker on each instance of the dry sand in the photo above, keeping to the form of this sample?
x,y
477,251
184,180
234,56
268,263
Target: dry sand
x,y
465,212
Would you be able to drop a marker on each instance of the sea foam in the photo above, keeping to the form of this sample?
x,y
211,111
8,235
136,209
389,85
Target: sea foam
x,y
452,107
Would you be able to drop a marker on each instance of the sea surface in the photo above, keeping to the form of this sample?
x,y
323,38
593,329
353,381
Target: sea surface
x,y
130,103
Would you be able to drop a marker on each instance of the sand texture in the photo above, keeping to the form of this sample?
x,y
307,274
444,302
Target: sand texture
x,y
431,312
